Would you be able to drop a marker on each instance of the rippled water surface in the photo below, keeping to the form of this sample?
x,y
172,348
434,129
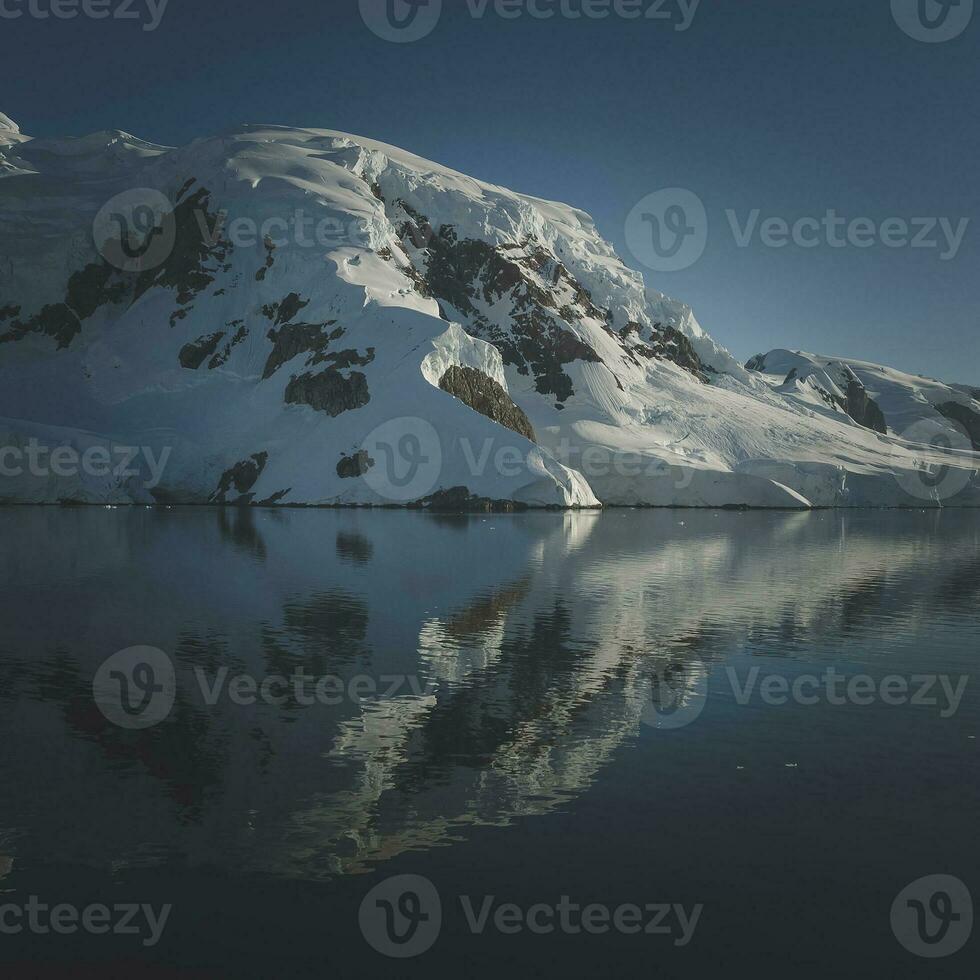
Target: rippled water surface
x,y
523,706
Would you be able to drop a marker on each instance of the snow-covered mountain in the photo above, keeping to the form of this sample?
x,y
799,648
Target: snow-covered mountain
x,y
300,316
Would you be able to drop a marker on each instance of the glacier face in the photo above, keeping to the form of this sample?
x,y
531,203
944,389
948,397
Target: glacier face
x,y
283,316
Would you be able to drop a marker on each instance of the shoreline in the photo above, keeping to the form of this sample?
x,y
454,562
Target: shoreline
x,y
511,507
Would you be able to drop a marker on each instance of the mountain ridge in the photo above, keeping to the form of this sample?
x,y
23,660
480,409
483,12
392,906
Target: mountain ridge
x,y
315,300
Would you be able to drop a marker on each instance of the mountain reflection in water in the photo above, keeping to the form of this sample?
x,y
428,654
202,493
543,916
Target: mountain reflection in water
x,y
513,658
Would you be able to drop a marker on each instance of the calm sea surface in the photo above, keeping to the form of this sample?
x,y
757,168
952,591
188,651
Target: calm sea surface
x,y
746,732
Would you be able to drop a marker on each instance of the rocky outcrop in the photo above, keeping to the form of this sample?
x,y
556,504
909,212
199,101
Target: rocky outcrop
x,y
276,498
965,416
293,339
544,299
351,467
283,311
459,500
329,391
194,354
270,260
862,407
93,286
669,344
55,320
197,256
240,334
834,381
486,396
242,477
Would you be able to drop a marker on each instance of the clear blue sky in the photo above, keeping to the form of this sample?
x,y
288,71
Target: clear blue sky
x,y
792,108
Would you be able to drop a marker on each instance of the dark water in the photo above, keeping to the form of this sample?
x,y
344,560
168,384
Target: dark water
x,y
547,709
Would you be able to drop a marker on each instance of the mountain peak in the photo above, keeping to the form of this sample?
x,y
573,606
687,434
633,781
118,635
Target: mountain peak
x,y
275,368
6,123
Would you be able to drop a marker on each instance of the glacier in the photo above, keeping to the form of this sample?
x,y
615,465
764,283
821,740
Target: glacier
x,y
305,317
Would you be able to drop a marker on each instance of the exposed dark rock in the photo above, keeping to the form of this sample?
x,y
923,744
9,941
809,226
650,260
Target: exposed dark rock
x,y
179,314
680,350
344,359
862,407
275,498
460,272
298,338
55,320
240,334
486,396
194,354
545,348
329,391
967,417
453,268
459,500
185,187
99,283
94,286
856,403
285,310
242,476
417,228
197,244
418,280
269,259
669,344
354,466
